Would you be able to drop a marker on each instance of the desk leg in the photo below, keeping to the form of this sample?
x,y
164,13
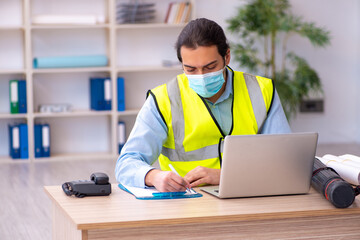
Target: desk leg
x,y
64,228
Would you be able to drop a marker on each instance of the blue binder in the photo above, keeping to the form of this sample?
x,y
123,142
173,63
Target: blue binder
x,y
45,150
107,93
93,94
38,140
22,96
121,135
97,101
14,141
121,94
24,145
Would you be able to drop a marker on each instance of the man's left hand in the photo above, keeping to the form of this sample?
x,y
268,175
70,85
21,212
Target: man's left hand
x,y
203,175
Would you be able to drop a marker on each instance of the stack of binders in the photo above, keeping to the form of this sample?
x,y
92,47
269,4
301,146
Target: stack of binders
x,y
18,141
42,140
100,94
17,96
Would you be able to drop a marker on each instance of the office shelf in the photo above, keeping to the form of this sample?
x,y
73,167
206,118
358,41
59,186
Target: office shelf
x,y
6,159
78,156
12,71
7,28
80,26
72,70
130,112
150,25
135,52
148,68
84,113
12,116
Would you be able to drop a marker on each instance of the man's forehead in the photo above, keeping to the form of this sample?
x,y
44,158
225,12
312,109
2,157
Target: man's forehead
x,y
200,56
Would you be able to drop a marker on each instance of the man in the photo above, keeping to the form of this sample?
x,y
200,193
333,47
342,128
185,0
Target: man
x,y
183,122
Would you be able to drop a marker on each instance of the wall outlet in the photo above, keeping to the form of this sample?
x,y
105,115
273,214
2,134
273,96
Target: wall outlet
x,y
312,105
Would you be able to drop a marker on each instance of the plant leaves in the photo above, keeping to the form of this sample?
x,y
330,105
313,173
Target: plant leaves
x,y
260,19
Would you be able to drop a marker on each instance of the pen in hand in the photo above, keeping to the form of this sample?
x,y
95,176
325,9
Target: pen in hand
x,y
174,171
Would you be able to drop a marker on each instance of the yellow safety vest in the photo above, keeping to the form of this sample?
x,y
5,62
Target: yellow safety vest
x,y
194,137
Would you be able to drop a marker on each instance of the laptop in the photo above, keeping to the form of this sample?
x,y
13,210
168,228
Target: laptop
x,y
266,165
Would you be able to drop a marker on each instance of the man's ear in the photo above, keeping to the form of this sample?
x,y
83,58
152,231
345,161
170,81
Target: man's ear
x,y
227,57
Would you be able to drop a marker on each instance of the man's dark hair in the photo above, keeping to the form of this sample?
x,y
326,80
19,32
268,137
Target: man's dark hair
x,y
202,32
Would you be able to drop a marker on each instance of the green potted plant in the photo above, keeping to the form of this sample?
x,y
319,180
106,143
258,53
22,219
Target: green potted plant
x,y
264,27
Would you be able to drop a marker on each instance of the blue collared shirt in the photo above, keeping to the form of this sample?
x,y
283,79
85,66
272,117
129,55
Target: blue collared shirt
x,y
150,132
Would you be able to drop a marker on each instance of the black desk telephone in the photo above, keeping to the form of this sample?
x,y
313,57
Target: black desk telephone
x,y
98,185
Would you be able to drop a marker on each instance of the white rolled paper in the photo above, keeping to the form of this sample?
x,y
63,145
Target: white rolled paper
x,y
349,173
350,157
347,160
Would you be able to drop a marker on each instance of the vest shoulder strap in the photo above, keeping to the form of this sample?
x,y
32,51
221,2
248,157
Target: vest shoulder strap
x,y
255,93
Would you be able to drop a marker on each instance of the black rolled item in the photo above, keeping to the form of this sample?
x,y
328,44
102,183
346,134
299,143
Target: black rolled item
x,y
326,181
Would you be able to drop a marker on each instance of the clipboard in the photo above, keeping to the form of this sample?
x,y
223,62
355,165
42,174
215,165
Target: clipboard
x,y
153,194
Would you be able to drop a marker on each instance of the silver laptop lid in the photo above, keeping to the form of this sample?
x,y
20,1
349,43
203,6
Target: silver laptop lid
x,y
261,165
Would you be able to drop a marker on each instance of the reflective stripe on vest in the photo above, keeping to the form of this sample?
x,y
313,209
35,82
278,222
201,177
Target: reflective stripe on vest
x,y
255,94
178,123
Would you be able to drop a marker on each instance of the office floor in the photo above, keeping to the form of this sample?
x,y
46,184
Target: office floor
x,y
25,209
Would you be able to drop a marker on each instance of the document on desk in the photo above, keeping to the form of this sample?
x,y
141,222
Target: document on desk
x,y
153,194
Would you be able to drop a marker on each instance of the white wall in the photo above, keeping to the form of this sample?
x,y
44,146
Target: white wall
x,y
338,65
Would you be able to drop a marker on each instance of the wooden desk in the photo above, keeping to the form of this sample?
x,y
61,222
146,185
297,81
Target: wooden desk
x,y
121,216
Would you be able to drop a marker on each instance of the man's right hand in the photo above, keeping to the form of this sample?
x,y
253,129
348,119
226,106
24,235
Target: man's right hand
x,y
165,181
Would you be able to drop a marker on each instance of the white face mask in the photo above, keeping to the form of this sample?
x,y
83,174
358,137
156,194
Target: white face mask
x,y
207,85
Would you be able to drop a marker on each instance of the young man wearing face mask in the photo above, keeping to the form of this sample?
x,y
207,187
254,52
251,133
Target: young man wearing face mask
x,y
183,122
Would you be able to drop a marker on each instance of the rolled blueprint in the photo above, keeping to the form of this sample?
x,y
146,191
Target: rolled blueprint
x,y
326,181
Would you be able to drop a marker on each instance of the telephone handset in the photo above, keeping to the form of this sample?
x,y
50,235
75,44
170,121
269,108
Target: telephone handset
x,y
98,185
